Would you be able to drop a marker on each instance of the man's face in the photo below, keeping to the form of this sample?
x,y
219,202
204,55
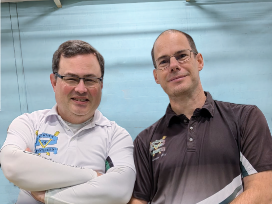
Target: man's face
x,y
178,78
77,104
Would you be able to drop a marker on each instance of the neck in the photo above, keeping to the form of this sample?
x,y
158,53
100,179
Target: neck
x,y
73,118
187,103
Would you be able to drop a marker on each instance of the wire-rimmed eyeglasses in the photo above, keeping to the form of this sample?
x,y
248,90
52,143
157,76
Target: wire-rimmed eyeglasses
x,y
182,56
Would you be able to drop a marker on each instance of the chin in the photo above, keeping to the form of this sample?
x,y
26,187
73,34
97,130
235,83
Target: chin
x,y
178,91
80,113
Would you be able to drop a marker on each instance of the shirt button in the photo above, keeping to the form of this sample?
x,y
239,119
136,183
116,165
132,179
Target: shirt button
x,y
185,121
191,128
191,139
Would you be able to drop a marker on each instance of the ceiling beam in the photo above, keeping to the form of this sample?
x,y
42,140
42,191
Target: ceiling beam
x,y
15,1
58,3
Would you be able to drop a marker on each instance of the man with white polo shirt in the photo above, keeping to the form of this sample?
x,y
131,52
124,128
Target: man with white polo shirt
x,y
75,154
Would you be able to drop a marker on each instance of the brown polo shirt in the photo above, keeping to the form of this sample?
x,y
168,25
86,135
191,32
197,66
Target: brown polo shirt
x,y
201,160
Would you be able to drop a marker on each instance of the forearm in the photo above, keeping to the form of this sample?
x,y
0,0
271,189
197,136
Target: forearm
x,y
257,189
137,201
249,197
34,173
114,187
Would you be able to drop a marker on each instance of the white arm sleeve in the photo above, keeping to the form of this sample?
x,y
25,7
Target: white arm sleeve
x,y
114,187
34,173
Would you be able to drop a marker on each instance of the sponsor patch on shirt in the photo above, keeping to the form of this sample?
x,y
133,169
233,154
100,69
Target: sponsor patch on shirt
x,y
45,139
157,146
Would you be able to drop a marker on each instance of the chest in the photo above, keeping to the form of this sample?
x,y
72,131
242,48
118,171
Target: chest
x,y
198,143
87,148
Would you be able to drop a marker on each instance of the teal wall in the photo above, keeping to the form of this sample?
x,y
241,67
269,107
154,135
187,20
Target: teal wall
x,y
234,38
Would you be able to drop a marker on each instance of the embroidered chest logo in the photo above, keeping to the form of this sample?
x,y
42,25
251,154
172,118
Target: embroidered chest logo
x,y
157,146
44,140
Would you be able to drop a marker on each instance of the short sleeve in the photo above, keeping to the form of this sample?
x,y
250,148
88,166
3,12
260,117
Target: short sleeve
x,y
21,133
143,184
121,149
256,142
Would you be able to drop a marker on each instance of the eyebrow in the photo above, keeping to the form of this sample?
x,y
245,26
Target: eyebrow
x,y
162,57
84,76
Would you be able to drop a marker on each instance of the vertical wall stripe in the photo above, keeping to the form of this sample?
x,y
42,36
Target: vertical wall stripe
x,y
15,28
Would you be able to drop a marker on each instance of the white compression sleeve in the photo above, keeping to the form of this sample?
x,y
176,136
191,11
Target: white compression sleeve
x,y
34,173
114,187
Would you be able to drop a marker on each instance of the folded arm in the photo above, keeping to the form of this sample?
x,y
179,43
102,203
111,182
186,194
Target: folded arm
x,y
257,189
34,173
137,201
256,147
114,187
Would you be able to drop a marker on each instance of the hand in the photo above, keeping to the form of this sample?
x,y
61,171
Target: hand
x,y
38,195
28,149
98,174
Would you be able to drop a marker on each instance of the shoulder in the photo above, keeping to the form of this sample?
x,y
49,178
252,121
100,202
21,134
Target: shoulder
x,y
238,110
110,126
34,117
26,124
146,135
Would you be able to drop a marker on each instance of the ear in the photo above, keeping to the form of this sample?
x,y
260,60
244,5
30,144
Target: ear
x,y
53,81
200,61
156,76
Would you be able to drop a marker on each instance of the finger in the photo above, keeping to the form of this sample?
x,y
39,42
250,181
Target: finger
x,y
34,196
28,149
98,174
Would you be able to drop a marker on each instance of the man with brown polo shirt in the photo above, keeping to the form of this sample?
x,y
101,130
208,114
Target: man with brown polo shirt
x,y
202,150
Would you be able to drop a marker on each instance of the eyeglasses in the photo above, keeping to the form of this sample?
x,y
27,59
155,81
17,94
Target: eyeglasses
x,y
74,80
181,56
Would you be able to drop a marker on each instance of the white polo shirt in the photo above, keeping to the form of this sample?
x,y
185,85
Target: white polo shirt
x,y
99,145
45,133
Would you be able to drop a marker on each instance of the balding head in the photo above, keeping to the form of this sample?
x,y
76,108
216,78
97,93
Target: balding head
x,y
189,38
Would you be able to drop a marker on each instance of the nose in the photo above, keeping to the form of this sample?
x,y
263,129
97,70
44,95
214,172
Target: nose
x,y
173,64
81,88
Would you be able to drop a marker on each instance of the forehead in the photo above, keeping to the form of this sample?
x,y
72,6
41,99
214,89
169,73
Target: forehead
x,y
79,64
169,43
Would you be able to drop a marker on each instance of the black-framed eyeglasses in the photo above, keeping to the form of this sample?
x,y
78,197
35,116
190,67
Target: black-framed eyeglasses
x,y
182,56
73,80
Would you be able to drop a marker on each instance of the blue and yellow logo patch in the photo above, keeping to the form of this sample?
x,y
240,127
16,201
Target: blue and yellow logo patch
x,y
44,140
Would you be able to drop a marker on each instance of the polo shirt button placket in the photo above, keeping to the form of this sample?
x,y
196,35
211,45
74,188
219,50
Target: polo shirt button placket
x,y
191,139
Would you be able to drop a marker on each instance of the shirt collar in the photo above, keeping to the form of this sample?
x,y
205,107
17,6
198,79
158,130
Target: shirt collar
x,y
98,118
209,103
208,107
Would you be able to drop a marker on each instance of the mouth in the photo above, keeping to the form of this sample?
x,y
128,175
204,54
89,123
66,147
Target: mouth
x,y
80,99
177,78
